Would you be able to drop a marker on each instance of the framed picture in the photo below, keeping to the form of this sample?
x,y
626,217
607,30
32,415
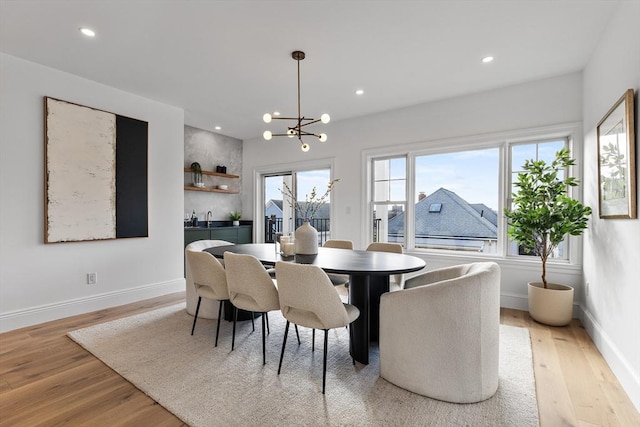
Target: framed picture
x,y
95,174
617,160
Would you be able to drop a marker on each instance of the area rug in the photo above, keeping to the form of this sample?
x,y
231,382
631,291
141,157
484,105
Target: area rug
x,y
208,386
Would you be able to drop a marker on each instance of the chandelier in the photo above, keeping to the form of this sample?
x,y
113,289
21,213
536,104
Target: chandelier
x,y
300,122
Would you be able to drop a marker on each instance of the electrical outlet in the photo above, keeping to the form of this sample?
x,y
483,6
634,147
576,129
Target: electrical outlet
x,y
92,278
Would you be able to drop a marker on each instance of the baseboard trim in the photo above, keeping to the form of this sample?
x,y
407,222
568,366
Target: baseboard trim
x,y
46,313
621,368
514,301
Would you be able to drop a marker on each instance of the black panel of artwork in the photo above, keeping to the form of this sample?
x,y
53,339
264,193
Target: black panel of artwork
x,y
131,178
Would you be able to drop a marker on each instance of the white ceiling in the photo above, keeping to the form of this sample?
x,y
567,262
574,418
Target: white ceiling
x,y
228,62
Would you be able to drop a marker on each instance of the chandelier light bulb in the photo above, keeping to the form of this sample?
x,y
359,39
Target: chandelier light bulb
x,y
322,137
305,147
325,118
291,133
267,118
267,135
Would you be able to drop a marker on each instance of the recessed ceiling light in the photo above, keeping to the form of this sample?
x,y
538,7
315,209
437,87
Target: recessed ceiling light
x,y
359,92
276,113
487,59
217,128
87,32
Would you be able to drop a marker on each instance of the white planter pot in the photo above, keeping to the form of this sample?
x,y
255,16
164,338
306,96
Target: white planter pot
x,y
306,240
236,222
552,306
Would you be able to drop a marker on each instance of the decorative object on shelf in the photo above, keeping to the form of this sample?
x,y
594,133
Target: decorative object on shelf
x,y
196,175
617,161
541,216
221,169
235,217
306,235
297,131
223,187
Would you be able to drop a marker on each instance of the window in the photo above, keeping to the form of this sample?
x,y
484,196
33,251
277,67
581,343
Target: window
x,y
537,150
449,196
389,199
280,217
462,187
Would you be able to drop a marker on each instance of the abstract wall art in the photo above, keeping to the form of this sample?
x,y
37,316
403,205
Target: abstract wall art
x,y
95,174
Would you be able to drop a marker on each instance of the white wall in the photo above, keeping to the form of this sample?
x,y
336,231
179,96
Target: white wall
x,y
41,282
537,104
612,246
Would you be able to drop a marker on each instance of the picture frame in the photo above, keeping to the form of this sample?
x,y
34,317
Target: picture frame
x,y
95,174
617,160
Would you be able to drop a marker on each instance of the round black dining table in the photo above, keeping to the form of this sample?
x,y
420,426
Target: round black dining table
x,y
369,273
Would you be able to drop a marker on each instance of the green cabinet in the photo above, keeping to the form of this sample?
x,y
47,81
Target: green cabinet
x,y
238,234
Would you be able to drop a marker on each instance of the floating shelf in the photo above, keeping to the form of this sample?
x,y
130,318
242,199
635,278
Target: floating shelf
x,y
223,175
210,189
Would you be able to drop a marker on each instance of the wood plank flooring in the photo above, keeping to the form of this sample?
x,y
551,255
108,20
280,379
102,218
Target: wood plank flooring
x,y
47,380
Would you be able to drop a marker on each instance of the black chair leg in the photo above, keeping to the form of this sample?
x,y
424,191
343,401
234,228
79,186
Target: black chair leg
x,y
284,342
324,361
253,324
297,333
264,351
313,340
267,316
195,318
233,335
219,316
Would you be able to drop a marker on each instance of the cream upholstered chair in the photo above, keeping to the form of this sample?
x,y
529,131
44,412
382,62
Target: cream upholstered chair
x,y
308,298
250,288
209,281
396,281
338,279
439,336
209,308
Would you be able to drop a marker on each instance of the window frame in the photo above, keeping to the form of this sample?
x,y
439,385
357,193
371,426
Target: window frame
x,y
501,140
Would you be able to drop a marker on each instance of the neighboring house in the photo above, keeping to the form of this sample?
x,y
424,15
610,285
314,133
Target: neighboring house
x,y
444,220
273,207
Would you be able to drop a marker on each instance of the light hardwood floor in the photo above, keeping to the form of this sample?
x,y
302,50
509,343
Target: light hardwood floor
x,y
46,379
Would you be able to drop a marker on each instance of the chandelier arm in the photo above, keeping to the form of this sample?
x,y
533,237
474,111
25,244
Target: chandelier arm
x,y
311,122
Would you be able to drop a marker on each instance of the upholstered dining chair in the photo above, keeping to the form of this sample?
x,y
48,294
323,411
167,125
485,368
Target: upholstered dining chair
x,y
209,308
308,298
439,336
339,279
396,282
209,281
250,288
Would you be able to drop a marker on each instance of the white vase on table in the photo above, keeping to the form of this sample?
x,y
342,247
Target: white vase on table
x,y
306,239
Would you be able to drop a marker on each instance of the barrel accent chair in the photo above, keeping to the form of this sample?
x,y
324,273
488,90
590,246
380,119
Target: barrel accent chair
x,y
439,336
208,308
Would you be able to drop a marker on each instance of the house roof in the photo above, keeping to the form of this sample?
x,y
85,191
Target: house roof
x,y
454,218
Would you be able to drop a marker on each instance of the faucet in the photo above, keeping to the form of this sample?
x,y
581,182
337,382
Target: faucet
x,y
209,214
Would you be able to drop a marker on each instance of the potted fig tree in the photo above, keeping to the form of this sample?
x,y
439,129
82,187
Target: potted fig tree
x,y
541,216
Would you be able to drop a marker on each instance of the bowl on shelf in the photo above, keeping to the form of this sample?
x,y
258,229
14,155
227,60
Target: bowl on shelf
x,y
223,187
198,184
